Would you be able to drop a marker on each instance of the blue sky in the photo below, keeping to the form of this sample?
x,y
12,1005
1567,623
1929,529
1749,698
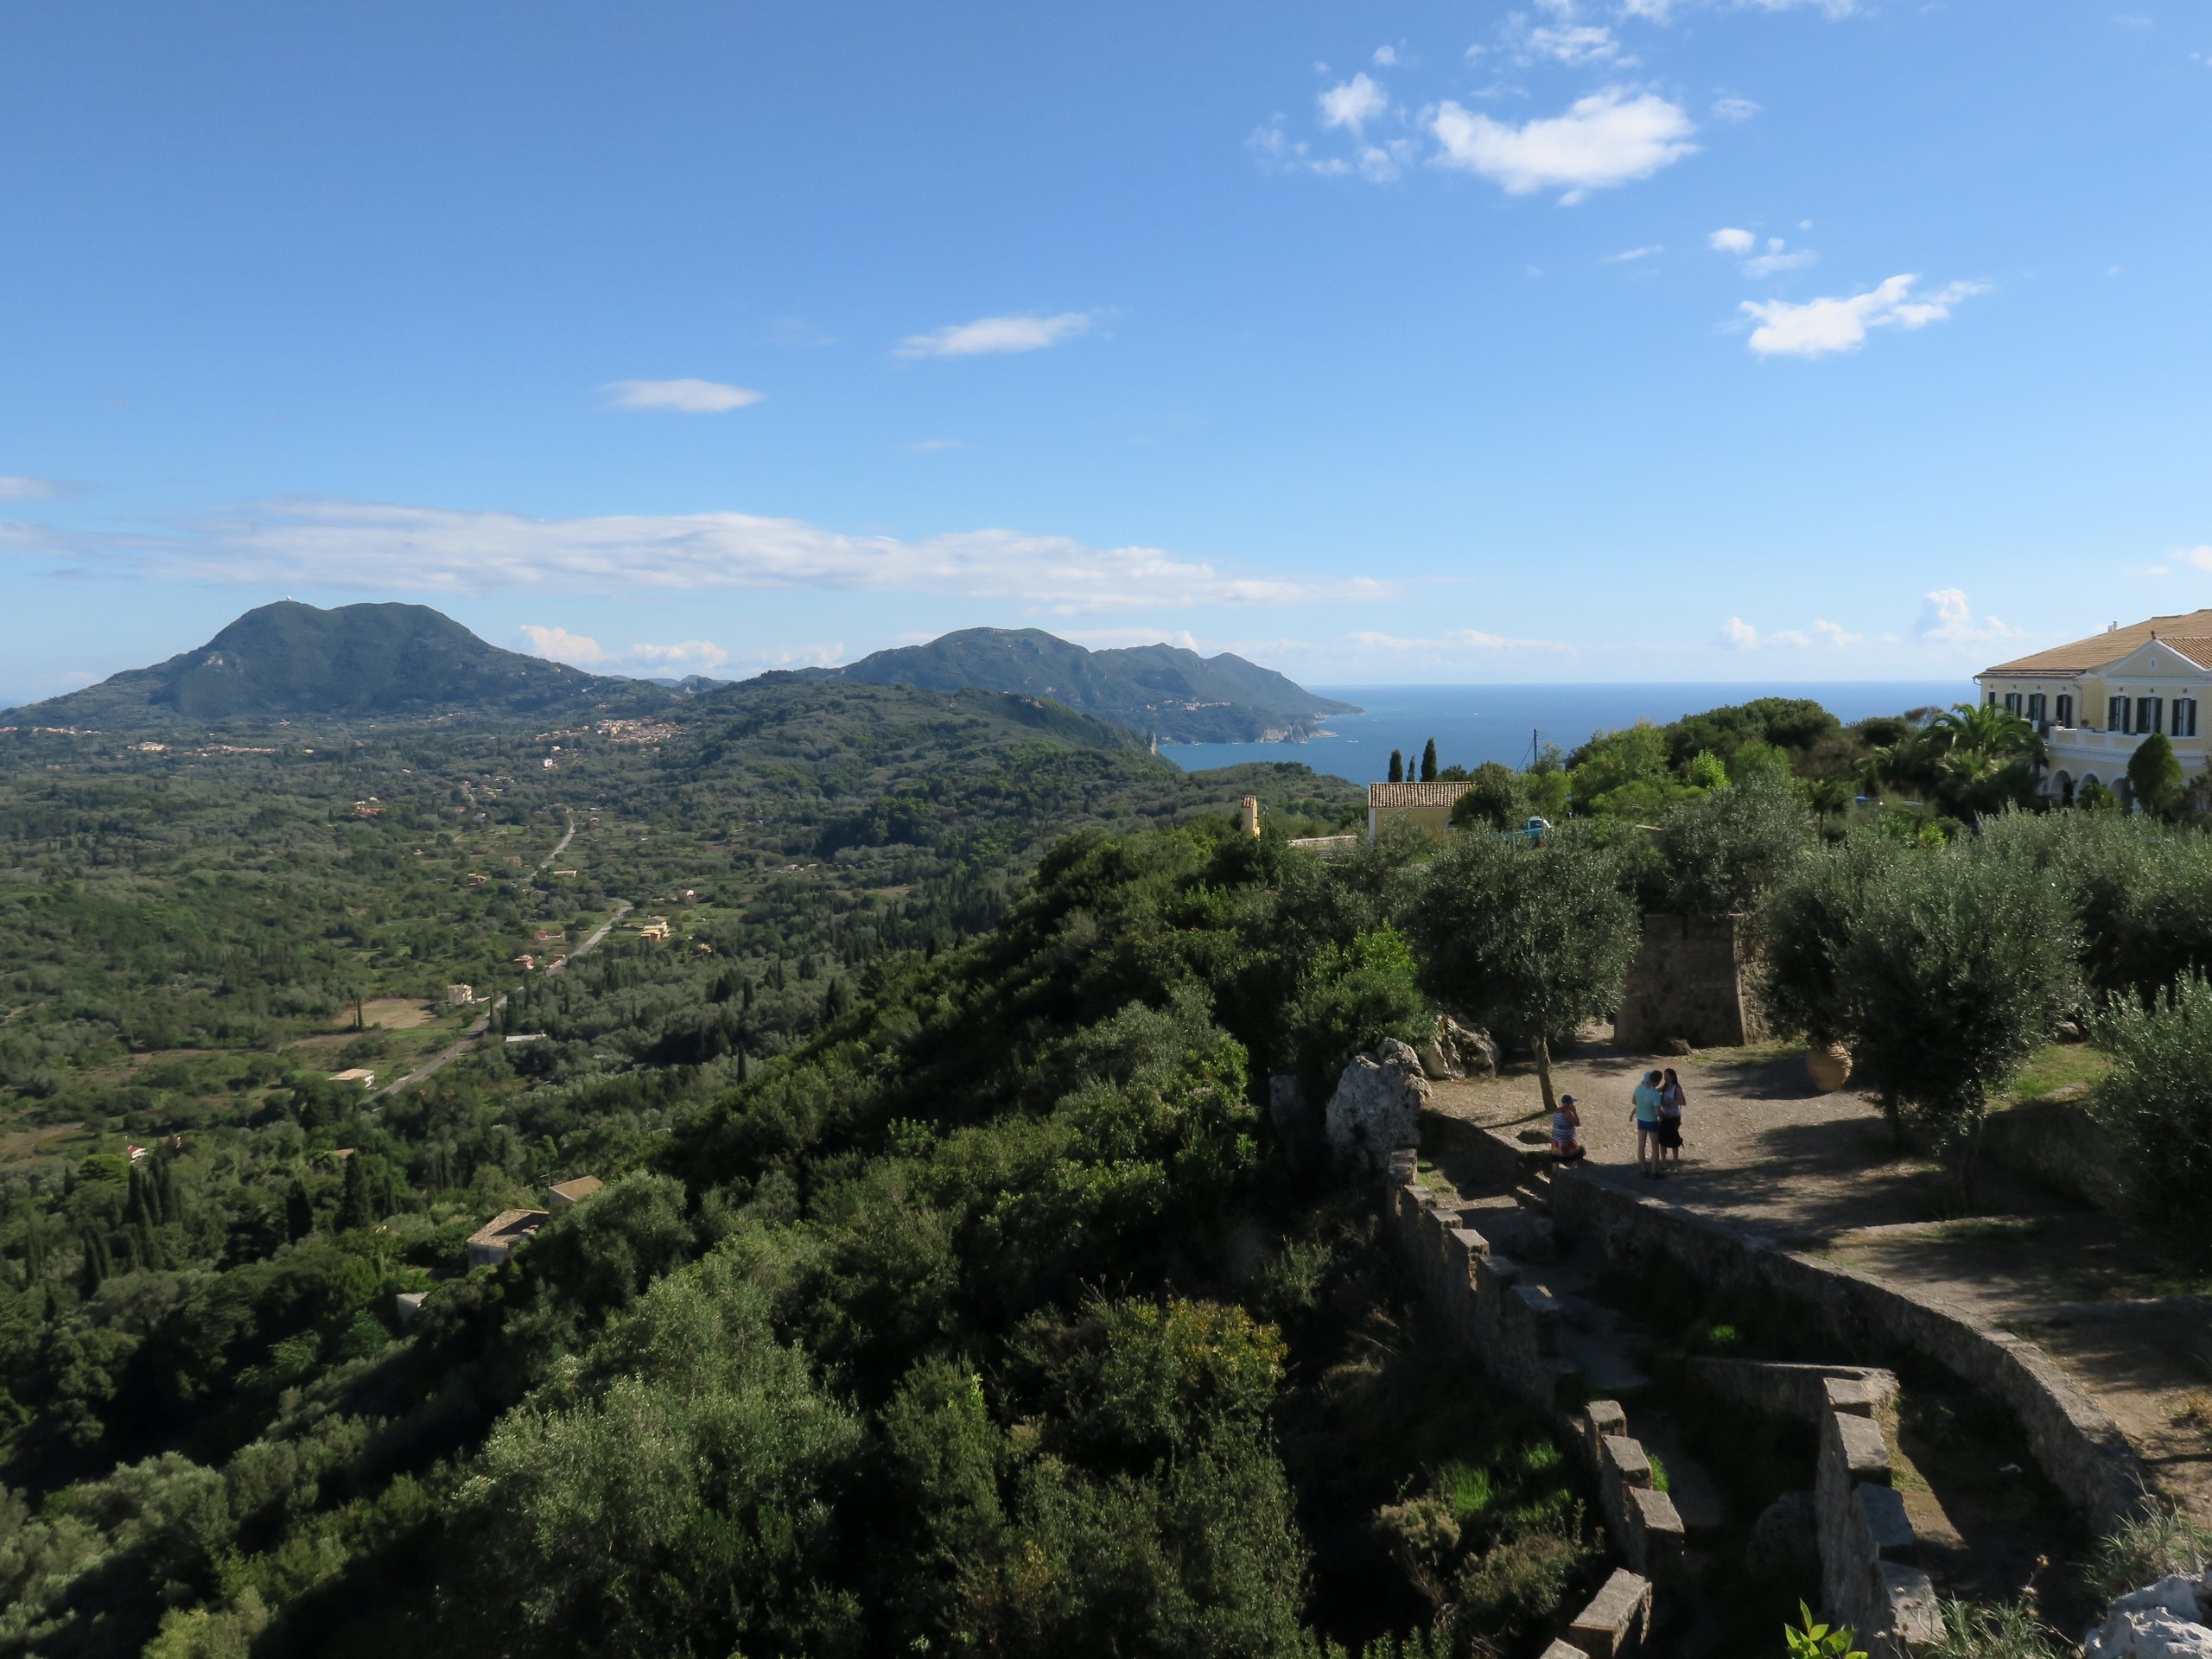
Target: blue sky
x,y
1645,340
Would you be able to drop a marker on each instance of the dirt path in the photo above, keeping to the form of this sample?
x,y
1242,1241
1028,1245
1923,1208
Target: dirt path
x,y
1821,1173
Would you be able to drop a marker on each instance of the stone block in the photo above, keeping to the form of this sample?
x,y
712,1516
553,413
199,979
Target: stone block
x,y
1619,1617
1600,1418
1880,1530
1659,1543
1561,1651
1623,1459
1848,1395
1864,1456
1915,1622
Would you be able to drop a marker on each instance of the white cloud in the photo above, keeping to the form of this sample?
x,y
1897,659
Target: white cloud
x,y
1775,259
1455,640
2197,558
1607,138
1353,104
1732,241
1817,327
986,335
931,446
1946,616
577,650
1571,43
1733,109
1385,56
684,396
1633,254
14,486
1736,634
366,546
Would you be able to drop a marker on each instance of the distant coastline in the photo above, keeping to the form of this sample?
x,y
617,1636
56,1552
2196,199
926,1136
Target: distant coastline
x,y
1474,723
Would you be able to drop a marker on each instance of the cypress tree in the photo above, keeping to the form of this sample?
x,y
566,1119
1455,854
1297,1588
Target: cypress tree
x,y
1397,767
299,1212
354,1213
1428,762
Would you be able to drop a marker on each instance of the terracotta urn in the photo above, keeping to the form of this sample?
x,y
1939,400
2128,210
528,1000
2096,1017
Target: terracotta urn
x,y
1828,1065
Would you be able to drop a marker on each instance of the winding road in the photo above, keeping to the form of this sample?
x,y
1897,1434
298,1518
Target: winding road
x,y
470,1038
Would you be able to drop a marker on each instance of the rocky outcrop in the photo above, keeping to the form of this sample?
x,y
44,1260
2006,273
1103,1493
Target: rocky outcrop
x,y
1377,1106
1457,1051
2171,1619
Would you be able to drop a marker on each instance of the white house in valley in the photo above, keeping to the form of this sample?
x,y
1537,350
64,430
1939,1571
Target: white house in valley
x,y
2094,700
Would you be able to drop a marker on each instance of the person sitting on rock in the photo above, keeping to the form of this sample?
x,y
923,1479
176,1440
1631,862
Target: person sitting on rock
x,y
1567,1133
1646,1113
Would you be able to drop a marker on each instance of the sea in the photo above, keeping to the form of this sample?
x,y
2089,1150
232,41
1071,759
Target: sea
x,y
1475,723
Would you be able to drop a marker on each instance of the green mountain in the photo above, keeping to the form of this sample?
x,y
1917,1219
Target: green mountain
x,y
1177,695
291,661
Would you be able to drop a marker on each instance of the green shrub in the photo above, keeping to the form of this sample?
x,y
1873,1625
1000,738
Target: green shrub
x,y
2007,1631
2157,1100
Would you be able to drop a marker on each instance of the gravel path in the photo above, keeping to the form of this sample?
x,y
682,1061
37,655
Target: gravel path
x,y
1821,1172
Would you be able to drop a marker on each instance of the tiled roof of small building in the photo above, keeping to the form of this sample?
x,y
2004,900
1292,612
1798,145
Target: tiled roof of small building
x,y
2189,633
1415,794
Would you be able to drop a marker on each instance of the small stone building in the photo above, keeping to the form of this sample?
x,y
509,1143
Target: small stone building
x,y
497,1239
1428,805
569,1194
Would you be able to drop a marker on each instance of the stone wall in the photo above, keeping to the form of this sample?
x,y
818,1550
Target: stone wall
x,y
2076,1445
1871,1578
1781,1390
1613,1626
1689,980
2058,1143
1512,1330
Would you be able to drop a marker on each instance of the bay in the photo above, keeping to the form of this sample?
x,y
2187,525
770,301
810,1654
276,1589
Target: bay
x,y
1475,723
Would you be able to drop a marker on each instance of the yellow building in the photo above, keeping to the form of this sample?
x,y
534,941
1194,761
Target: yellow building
x,y
2095,700
1428,805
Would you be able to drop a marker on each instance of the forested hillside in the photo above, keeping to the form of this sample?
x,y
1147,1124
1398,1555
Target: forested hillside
x,y
1160,688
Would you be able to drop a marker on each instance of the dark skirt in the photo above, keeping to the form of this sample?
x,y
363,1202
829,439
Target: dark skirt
x,y
1670,1132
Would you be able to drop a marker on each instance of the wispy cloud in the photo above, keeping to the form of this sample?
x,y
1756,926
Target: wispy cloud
x,y
15,487
684,396
1608,138
1778,258
366,546
1574,44
988,336
1736,634
933,446
1457,641
1385,56
1353,104
682,657
1733,109
1817,327
1624,259
1946,616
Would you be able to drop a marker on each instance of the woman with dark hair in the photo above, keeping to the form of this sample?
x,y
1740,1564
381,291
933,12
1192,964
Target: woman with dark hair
x,y
1671,1101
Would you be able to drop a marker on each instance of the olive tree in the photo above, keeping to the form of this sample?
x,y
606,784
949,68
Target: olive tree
x,y
1721,852
1536,935
1803,924
1958,965
2157,1100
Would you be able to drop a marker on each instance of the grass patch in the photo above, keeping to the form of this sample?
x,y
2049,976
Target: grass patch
x,y
2054,1067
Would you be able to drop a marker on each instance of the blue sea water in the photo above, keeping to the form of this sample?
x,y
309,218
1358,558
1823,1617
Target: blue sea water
x,y
1475,723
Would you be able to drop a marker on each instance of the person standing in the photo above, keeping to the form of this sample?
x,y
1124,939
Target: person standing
x,y
1646,1113
1671,1102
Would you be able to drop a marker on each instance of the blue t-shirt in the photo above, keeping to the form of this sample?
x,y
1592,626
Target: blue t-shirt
x,y
1647,1104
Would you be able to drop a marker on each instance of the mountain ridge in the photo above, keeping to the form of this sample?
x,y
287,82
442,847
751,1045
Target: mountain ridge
x,y
293,660
1165,691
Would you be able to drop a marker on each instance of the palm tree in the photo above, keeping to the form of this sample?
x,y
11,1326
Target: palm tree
x,y
1973,760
